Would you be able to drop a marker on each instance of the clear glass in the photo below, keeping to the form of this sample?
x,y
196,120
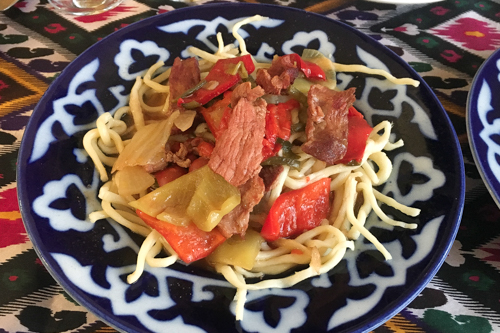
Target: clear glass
x,y
84,7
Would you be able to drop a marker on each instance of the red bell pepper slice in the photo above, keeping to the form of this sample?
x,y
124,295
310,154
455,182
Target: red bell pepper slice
x,y
205,149
217,115
359,131
310,69
169,174
297,211
278,125
225,80
189,242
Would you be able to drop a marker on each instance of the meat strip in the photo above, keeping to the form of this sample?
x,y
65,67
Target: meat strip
x,y
238,151
236,221
327,123
270,174
279,76
184,75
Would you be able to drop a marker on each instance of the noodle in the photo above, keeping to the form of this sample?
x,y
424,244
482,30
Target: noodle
x,y
321,248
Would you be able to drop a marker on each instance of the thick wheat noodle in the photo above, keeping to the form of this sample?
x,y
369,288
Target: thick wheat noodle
x,y
285,282
228,51
146,246
159,262
280,182
120,113
370,172
237,36
265,254
153,84
114,198
283,259
97,215
374,195
106,160
391,146
362,215
91,135
311,178
204,55
107,150
292,244
410,211
135,104
143,231
106,132
351,184
377,142
367,70
369,195
237,280
146,107
339,180
161,244
109,131
282,254
337,216
305,168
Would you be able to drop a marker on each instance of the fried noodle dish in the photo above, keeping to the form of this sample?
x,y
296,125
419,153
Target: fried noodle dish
x,y
255,169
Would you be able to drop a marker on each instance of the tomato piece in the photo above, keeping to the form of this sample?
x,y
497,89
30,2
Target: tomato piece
x,y
297,211
224,78
217,115
267,149
169,174
278,125
359,131
189,242
205,149
198,163
310,69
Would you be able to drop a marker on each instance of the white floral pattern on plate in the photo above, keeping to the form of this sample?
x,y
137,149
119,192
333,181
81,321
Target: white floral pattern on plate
x,y
483,123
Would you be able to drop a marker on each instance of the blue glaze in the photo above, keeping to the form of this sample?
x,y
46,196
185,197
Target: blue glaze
x,y
483,123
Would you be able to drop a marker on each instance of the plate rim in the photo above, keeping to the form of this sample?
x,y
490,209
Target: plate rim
x,y
471,132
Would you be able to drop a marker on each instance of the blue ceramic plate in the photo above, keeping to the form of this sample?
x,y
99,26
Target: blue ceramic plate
x,y
483,123
58,186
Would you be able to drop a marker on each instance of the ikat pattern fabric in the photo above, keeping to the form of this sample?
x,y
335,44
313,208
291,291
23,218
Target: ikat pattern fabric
x,y
445,42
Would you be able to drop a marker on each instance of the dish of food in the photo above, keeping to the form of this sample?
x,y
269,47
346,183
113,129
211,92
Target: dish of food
x,y
483,125
59,184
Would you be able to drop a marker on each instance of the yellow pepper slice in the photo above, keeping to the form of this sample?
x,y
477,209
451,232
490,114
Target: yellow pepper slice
x,y
202,197
237,251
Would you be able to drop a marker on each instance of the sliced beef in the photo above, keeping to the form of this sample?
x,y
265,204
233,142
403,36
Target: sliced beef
x,y
238,151
179,156
283,64
270,174
326,127
184,75
236,221
279,76
245,90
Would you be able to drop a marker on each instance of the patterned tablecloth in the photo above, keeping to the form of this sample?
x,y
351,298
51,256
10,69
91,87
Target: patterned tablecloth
x,y
445,42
